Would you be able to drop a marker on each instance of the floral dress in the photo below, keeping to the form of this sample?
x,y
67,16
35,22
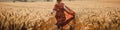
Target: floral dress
x,y
62,14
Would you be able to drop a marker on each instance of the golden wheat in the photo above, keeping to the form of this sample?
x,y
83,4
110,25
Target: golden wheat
x,y
36,16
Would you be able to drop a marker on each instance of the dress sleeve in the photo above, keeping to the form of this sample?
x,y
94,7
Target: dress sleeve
x,y
55,8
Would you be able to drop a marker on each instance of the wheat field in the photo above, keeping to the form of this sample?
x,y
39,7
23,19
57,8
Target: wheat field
x,y
90,15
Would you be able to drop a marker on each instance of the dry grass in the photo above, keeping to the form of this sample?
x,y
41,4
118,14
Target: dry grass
x,y
36,16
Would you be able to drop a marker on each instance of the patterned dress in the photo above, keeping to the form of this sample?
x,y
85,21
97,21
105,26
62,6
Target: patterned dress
x,y
62,14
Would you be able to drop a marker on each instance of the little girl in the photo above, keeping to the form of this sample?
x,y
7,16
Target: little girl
x,y
63,14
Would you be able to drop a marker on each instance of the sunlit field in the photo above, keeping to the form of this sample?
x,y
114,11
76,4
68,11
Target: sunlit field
x,y
90,15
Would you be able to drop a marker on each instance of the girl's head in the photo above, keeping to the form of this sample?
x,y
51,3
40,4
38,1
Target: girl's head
x,y
59,1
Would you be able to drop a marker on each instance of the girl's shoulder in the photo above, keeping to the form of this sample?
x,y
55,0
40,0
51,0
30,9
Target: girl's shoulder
x,y
62,3
59,5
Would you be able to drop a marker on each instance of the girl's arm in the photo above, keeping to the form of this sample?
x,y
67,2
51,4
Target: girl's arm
x,y
68,10
54,9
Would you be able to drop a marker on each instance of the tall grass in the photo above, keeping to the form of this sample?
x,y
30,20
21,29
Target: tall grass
x,y
23,17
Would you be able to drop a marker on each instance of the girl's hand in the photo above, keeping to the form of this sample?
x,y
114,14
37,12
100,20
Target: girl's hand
x,y
53,12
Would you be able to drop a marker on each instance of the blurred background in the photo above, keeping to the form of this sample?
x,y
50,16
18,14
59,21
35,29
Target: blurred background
x,y
30,0
36,14
50,0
